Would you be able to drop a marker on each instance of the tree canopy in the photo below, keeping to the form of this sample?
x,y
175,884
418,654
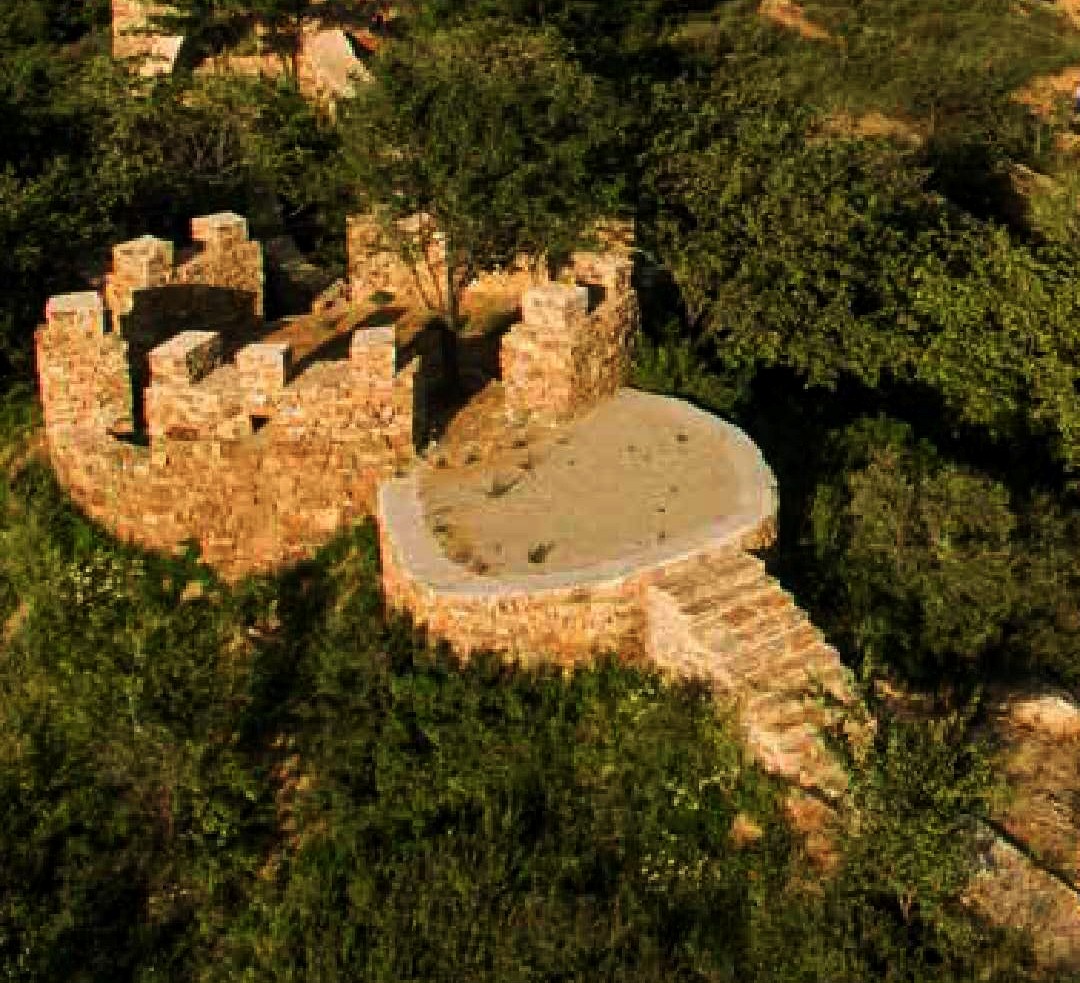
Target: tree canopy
x,y
494,133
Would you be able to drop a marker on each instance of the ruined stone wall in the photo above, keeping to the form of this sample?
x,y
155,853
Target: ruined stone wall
x,y
156,53
253,496
566,617
254,457
326,65
251,451
573,344
367,397
327,69
251,504
82,369
566,626
375,263
152,293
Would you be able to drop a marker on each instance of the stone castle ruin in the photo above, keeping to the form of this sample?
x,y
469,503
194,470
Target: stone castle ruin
x,y
174,413
327,62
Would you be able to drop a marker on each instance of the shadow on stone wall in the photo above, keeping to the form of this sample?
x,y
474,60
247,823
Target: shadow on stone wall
x,y
159,313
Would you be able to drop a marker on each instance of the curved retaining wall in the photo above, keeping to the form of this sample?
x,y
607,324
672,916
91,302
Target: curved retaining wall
x,y
566,616
252,505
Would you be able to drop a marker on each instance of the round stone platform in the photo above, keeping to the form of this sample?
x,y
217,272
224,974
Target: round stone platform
x,y
548,545
639,477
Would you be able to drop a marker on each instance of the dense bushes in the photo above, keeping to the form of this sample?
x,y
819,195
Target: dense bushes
x,y
272,781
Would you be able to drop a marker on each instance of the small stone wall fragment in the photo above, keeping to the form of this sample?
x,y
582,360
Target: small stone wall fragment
x,y
376,263
263,367
82,369
561,358
186,358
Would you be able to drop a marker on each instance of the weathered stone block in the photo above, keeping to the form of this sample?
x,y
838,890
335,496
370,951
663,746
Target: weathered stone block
x,y
266,365
82,311
186,358
142,262
373,352
553,305
220,230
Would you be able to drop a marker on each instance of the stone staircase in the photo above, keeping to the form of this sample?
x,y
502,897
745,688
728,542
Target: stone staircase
x,y
721,618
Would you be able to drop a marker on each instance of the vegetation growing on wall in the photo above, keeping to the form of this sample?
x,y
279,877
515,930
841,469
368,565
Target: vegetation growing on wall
x,y
538,166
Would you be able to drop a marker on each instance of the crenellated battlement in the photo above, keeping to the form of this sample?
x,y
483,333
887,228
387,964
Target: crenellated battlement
x,y
573,344
173,411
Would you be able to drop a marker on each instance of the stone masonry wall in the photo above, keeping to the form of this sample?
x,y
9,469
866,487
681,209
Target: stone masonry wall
x,y
326,64
573,344
252,500
572,347
222,257
156,52
255,455
375,263
82,369
152,294
566,617
566,626
251,505
255,458
366,397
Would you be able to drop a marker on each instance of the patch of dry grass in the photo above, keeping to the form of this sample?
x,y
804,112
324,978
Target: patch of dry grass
x,y
874,125
792,17
1050,96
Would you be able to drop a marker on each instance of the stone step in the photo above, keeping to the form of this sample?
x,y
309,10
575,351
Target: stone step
x,y
787,755
762,662
707,603
808,679
779,711
800,756
723,565
711,569
746,616
722,600
778,665
780,656
704,582
783,623
761,653
778,715
741,612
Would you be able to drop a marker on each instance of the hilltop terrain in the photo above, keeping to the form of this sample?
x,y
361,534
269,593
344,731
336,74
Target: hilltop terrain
x,y
855,237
